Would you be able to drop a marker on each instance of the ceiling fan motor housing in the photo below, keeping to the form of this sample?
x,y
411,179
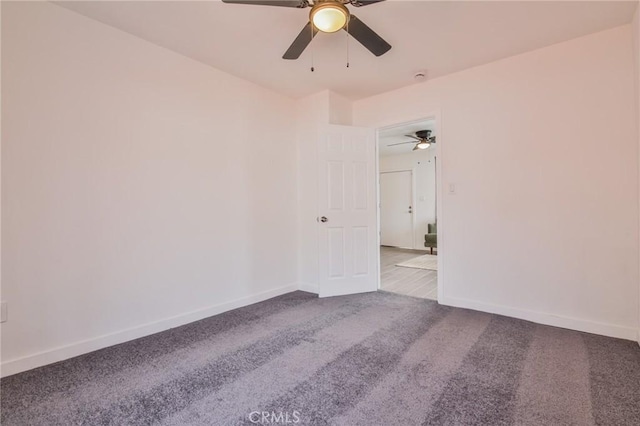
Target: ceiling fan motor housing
x,y
423,134
329,16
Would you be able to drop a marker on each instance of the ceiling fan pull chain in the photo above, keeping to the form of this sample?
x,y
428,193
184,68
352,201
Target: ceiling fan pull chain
x,y
347,44
312,48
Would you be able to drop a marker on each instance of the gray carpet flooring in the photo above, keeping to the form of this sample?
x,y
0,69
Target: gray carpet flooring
x,y
370,359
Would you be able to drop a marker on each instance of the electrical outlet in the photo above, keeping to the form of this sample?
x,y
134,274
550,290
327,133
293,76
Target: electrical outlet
x,y
3,312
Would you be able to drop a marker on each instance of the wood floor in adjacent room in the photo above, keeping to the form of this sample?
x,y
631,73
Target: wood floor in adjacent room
x,y
408,281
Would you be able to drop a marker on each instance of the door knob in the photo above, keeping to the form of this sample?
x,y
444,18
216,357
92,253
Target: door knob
x,y
324,219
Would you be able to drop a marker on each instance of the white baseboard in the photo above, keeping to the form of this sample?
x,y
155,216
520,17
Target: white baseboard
x,y
604,329
29,362
308,287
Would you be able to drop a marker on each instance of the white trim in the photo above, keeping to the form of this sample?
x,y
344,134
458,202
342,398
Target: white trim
x,y
85,346
414,207
376,148
604,329
309,287
439,165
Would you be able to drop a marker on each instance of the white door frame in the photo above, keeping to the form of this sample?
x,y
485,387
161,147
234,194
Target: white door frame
x,y
413,200
439,190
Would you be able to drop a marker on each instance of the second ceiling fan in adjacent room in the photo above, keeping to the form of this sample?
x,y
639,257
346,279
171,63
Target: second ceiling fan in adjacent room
x,y
423,138
328,16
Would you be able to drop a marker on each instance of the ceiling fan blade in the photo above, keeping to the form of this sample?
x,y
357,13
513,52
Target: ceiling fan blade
x,y
366,36
360,3
282,3
301,42
412,136
400,143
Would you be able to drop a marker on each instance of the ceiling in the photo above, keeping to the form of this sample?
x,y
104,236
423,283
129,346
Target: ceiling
x,y
397,134
439,37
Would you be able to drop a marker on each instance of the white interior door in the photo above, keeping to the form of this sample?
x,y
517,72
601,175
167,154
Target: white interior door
x,y
396,209
347,212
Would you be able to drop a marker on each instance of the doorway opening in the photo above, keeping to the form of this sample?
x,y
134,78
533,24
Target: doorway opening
x,y
407,208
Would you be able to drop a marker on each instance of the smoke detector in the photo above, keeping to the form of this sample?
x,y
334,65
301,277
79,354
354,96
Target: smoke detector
x,y
420,76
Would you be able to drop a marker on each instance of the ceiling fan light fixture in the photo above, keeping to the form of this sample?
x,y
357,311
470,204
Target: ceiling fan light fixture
x,y
422,145
329,17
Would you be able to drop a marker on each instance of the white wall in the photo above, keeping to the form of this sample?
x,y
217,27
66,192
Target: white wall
x,y
1,294
340,109
543,150
138,186
636,53
423,166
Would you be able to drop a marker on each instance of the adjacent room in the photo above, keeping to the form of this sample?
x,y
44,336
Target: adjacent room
x,y
320,212
407,164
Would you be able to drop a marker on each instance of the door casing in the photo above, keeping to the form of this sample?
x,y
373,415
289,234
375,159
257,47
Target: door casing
x,y
398,122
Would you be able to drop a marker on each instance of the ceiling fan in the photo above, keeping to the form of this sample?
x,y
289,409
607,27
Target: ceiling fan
x,y
423,137
328,16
